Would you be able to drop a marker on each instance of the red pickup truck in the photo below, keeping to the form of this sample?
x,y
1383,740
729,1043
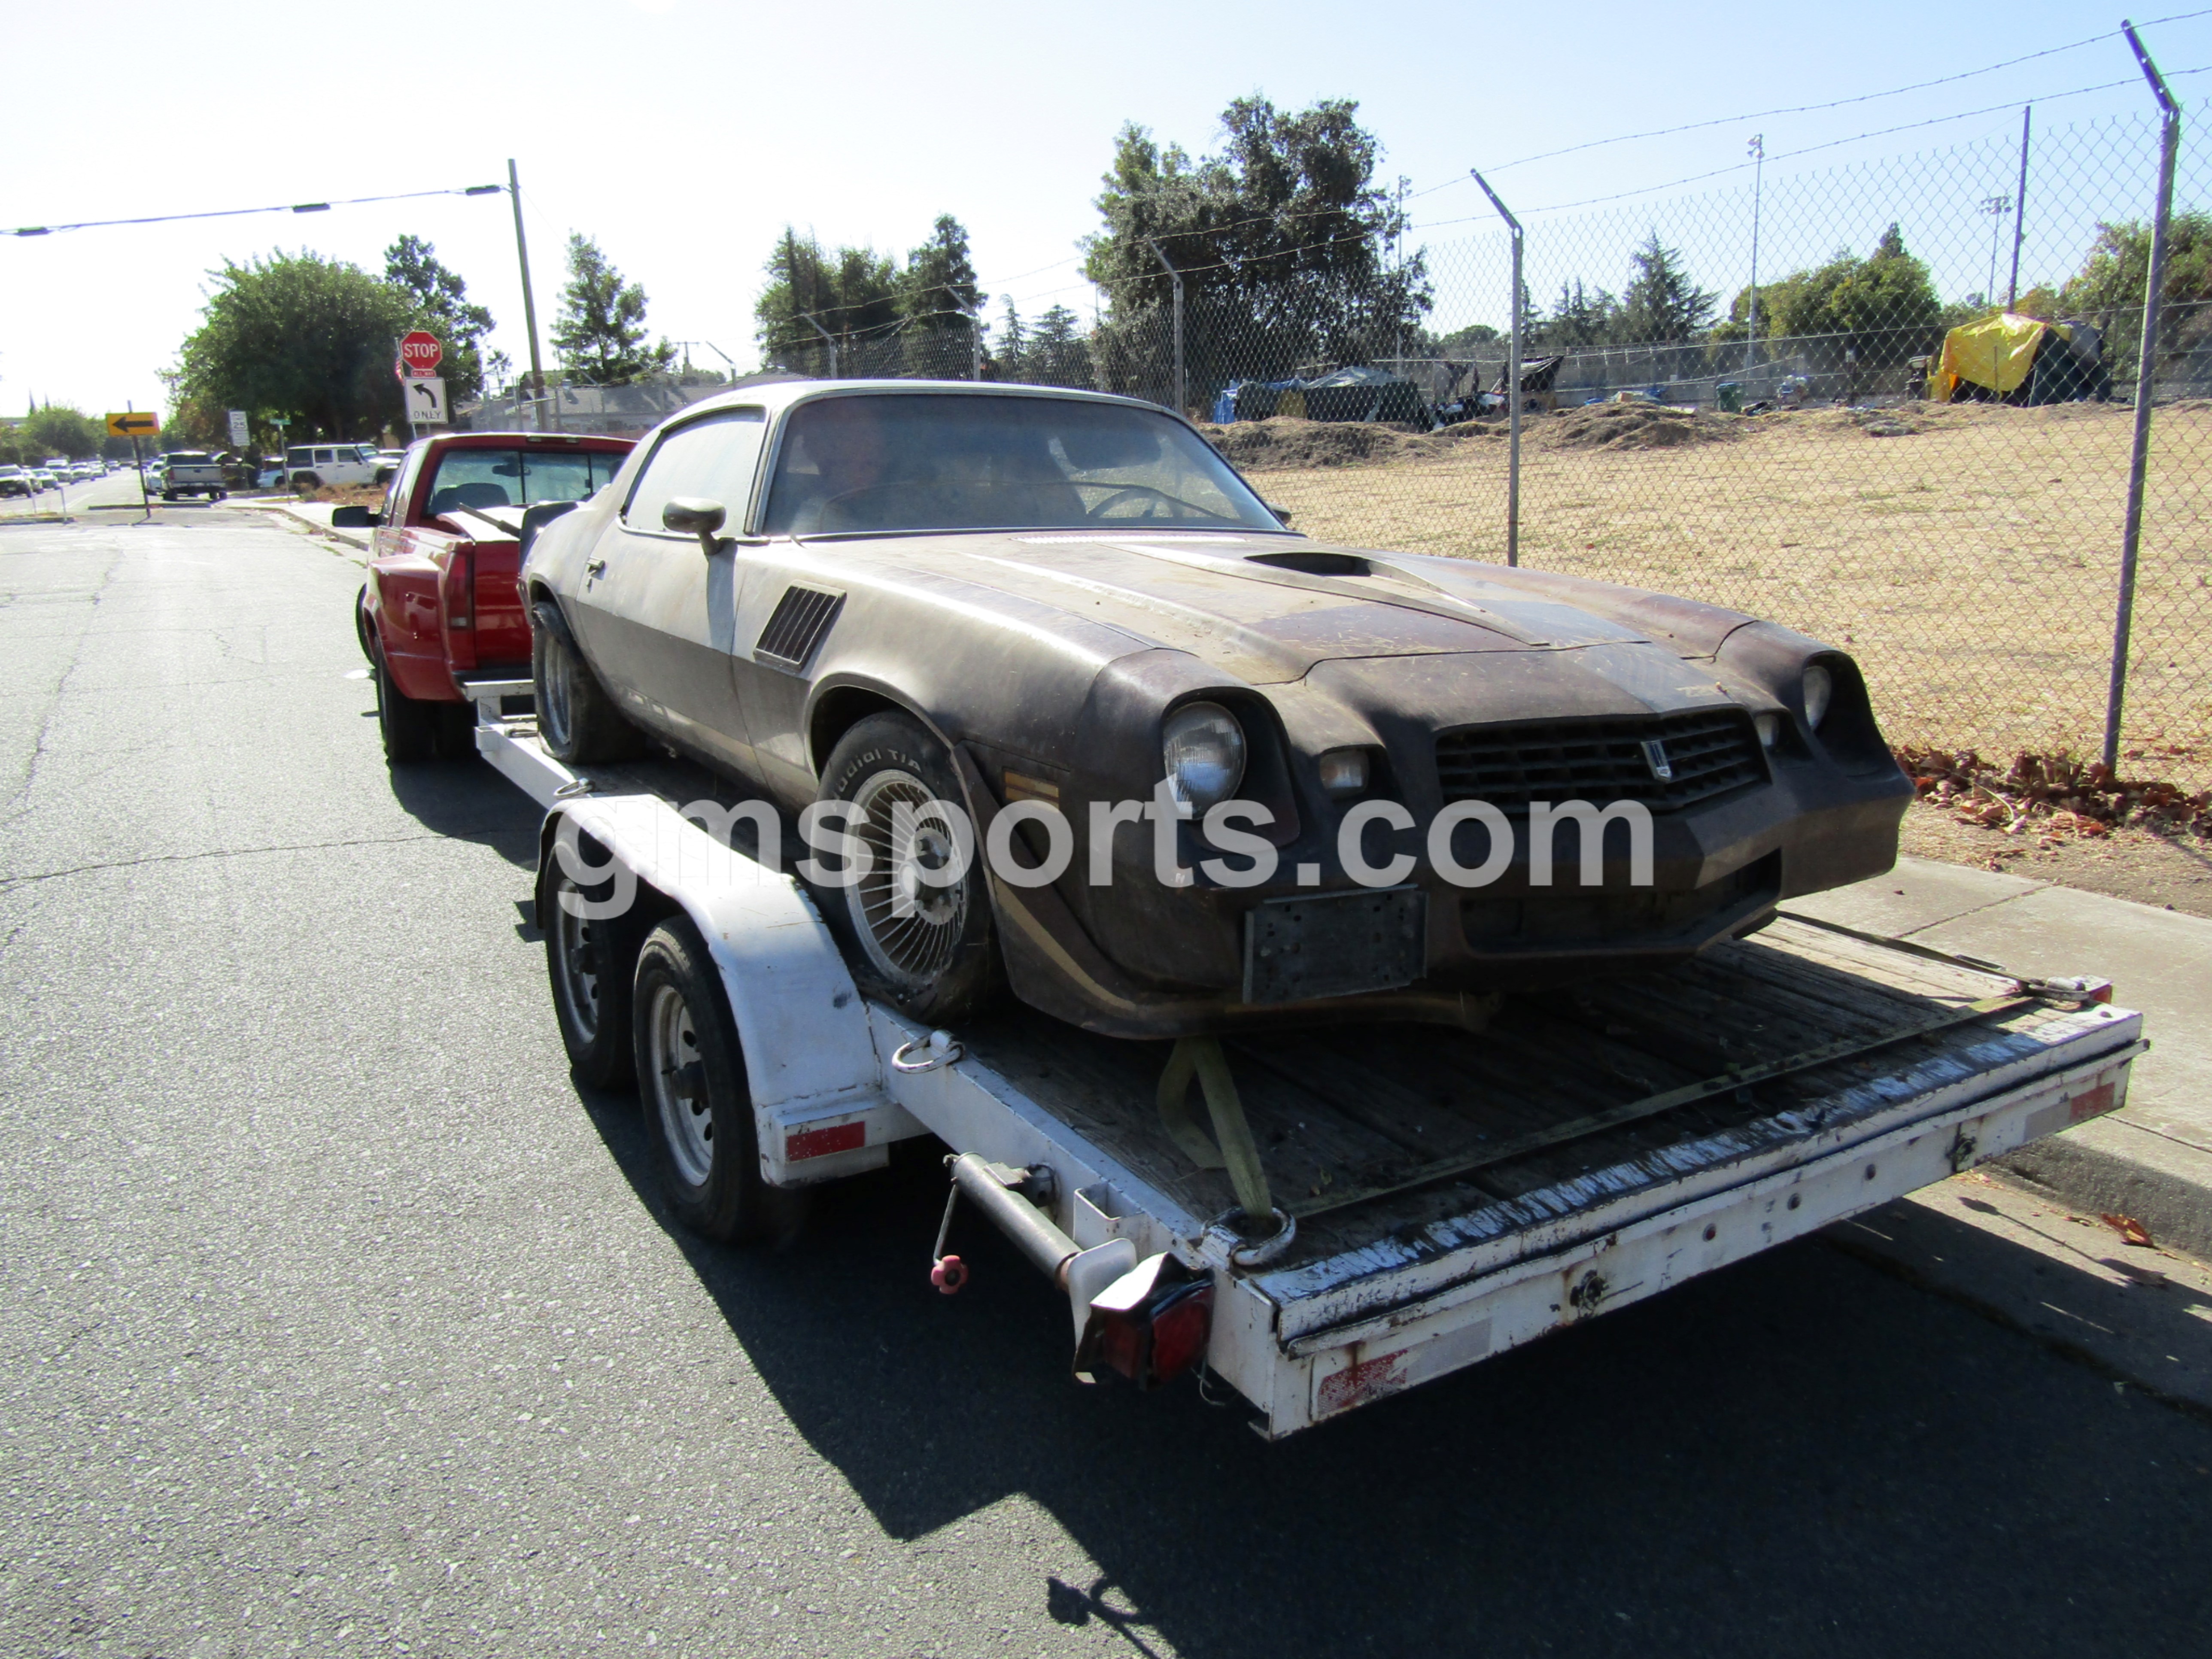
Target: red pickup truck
x,y
440,609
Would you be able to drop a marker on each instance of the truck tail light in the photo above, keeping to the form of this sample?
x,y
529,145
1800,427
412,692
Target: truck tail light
x,y
461,573
1152,1337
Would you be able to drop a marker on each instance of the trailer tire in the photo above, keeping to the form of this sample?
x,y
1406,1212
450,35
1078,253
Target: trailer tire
x,y
410,729
698,1107
946,970
577,721
590,962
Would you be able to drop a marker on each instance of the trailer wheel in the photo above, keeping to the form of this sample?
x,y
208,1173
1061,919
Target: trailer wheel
x,y
576,718
936,959
410,729
698,1108
590,970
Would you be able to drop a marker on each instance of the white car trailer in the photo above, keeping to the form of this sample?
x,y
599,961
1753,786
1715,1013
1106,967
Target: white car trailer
x,y
1442,1195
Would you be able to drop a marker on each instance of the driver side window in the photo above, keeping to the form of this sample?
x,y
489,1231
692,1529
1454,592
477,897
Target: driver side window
x,y
714,457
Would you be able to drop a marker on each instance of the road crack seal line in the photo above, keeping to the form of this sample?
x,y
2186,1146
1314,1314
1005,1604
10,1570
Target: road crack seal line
x,y
8,884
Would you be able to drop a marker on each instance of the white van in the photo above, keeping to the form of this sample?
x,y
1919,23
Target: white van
x,y
310,467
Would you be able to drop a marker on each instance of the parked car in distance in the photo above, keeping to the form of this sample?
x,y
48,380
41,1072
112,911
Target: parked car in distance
x,y
882,594
15,481
387,464
310,466
192,472
441,606
270,476
45,479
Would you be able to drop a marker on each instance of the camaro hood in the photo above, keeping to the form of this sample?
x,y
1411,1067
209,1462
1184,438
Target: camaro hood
x,y
1265,609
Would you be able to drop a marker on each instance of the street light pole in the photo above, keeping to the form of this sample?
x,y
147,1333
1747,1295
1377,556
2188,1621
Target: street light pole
x,y
529,304
1996,207
1758,148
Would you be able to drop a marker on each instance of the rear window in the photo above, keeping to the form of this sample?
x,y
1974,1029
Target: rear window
x,y
518,478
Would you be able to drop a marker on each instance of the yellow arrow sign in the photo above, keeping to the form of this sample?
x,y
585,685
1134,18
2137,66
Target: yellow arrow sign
x,y
132,423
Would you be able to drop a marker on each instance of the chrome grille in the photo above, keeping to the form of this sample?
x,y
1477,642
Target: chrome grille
x,y
1710,752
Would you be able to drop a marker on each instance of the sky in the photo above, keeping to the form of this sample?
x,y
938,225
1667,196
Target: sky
x,y
686,135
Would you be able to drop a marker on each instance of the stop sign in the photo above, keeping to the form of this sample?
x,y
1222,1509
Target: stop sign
x,y
421,353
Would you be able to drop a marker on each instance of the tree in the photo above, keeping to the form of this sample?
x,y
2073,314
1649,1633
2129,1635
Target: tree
x,y
440,299
937,289
1058,353
60,429
1661,306
1580,320
1883,309
1010,359
600,330
299,336
2107,291
850,295
1282,241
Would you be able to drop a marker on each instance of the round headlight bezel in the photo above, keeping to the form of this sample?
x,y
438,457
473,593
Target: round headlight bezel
x,y
1198,738
1818,693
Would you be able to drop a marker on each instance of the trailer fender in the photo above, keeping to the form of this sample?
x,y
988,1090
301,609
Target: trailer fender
x,y
819,1104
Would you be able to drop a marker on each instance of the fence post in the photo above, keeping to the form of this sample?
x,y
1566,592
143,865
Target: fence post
x,y
1512,385
1175,277
2146,372
830,341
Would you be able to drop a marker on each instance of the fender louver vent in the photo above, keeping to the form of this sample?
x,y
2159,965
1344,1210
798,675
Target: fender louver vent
x,y
802,617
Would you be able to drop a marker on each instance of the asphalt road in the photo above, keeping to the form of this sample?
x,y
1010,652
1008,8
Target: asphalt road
x,y
333,1321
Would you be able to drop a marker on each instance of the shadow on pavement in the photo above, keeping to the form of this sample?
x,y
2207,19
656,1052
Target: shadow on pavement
x,y
1800,1454
466,800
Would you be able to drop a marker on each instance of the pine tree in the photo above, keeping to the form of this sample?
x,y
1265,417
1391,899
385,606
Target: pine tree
x,y
441,300
938,288
1663,306
1012,354
1058,354
600,332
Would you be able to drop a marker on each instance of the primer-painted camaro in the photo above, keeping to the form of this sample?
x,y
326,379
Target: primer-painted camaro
x,y
890,592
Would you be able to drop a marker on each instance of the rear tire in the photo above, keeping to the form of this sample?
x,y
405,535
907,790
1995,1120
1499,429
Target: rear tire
x,y
410,728
577,721
698,1108
937,962
590,962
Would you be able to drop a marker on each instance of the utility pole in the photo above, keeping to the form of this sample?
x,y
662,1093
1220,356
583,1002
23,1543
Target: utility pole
x,y
1757,149
1175,277
2020,207
529,304
1512,385
2146,370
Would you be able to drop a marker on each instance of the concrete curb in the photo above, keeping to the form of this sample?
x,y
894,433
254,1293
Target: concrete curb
x,y
305,513
2153,1158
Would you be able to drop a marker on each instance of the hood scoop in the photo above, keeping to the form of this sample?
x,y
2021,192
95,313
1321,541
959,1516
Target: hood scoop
x,y
1314,563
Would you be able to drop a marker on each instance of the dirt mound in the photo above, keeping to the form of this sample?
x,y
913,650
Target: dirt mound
x,y
1632,426
1283,441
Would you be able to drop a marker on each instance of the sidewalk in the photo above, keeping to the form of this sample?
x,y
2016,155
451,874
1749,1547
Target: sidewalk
x,y
2152,1158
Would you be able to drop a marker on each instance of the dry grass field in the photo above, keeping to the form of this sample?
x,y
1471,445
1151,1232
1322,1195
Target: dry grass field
x,y
1970,559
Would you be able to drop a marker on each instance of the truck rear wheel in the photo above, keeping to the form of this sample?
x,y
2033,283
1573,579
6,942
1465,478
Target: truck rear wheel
x,y
698,1107
590,967
410,729
576,718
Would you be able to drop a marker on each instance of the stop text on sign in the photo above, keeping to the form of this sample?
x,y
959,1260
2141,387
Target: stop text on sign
x,y
420,353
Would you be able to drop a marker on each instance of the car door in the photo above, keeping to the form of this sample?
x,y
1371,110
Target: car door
x,y
656,613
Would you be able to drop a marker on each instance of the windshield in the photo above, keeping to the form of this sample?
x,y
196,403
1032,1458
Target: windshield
x,y
946,461
518,478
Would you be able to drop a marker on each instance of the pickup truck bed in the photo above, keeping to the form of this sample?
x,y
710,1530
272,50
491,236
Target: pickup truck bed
x,y
1455,1193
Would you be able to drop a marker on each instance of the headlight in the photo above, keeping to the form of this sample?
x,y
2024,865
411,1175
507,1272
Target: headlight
x,y
1204,749
1820,687
1770,729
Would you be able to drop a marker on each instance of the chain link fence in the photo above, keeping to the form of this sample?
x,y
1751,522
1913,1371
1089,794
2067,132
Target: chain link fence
x,y
1911,436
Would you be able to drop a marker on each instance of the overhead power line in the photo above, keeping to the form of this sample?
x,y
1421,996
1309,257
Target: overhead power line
x,y
238,213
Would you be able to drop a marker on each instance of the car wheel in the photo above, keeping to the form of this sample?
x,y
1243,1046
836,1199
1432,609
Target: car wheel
x,y
577,719
305,483
590,961
360,624
410,728
217,494
698,1108
929,946
168,494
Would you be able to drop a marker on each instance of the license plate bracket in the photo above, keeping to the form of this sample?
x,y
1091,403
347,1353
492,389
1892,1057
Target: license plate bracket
x,y
1335,945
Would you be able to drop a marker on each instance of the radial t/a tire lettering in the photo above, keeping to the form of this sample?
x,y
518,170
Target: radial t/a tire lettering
x,y
698,1106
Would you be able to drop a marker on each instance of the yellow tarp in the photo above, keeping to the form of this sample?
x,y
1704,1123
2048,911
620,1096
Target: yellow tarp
x,y
1996,353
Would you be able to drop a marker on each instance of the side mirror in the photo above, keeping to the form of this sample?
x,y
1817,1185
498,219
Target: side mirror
x,y
1282,512
351,518
695,515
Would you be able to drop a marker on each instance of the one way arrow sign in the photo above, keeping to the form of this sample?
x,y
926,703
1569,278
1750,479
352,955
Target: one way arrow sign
x,y
426,402
132,423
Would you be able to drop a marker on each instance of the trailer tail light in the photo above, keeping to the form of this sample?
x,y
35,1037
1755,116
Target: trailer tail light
x,y
1150,1327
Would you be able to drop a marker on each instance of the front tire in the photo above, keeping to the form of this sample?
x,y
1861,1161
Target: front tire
x,y
698,1107
577,719
930,946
